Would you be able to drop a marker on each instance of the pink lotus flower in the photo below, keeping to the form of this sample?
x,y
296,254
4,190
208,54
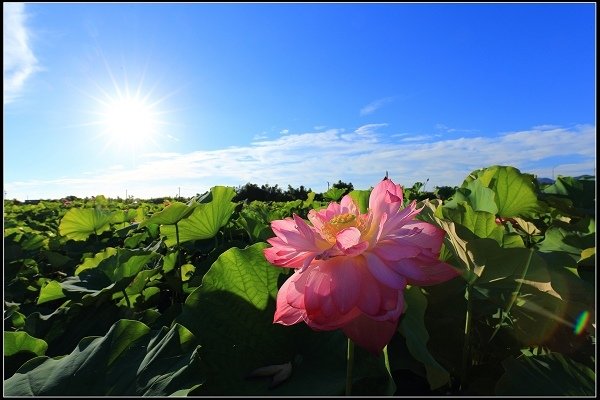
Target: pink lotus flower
x,y
352,268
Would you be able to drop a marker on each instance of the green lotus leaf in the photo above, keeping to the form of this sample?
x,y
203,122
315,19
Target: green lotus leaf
x,y
514,191
232,315
80,223
477,195
580,191
118,263
130,360
51,291
122,216
171,214
92,262
334,194
15,342
481,223
361,199
205,220
412,327
545,375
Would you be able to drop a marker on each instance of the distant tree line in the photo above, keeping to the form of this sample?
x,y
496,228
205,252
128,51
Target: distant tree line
x,y
266,192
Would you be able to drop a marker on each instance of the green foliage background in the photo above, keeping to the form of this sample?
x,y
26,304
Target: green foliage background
x,y
174,297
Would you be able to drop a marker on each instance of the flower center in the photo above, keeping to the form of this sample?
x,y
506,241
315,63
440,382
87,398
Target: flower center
x,y
343,219
340,222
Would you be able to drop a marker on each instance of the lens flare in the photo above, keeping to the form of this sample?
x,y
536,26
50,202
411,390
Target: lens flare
x,y
581,322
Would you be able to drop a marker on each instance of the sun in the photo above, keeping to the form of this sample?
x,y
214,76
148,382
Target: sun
x,y
130,114
129,121
130,118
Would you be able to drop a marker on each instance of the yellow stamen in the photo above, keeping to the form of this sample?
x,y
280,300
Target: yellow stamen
x,y
340,222
342,219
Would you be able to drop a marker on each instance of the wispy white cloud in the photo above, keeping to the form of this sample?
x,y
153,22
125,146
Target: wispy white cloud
x,y
375,105
447,129
545,127
19,60
312,159
284,131
260,136
368,128
366,133
441,127
416,138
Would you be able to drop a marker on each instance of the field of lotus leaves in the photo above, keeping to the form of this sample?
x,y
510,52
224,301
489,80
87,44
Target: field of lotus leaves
x,y
107,297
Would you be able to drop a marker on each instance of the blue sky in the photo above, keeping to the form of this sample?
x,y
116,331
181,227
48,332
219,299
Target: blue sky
x,y
155,99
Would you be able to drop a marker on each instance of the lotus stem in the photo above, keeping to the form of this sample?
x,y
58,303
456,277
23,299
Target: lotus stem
x,y
386,359
126,298
467,360
178,273
349,367
514,295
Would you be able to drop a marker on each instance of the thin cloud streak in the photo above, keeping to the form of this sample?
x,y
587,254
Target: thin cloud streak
x,y
416,138
19,60
313,159
369,128
374,106
447,129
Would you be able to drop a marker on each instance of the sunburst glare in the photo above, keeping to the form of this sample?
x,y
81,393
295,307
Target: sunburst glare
x,y
129,121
